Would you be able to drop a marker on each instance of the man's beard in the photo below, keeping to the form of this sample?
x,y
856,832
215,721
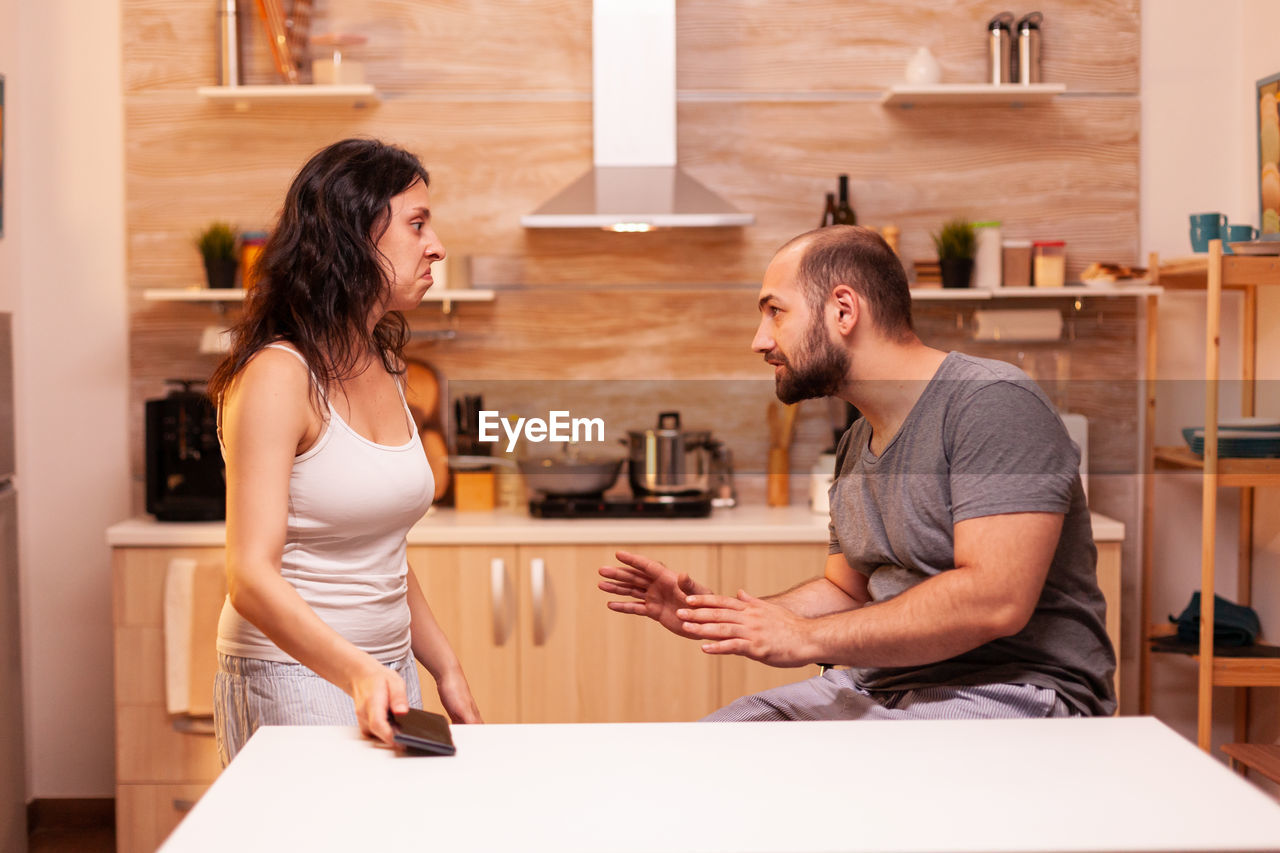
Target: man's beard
x,y
819,369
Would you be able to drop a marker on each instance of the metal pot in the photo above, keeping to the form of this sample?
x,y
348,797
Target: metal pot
x,y
570,475
669,460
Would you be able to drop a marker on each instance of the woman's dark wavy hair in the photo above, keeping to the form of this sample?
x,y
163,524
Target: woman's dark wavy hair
x,y
321,274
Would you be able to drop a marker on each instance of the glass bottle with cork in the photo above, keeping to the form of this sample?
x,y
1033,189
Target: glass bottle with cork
x,y
844,210
829,211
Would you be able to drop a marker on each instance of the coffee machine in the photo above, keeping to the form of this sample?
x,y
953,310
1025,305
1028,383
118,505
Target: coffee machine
x,y
186,479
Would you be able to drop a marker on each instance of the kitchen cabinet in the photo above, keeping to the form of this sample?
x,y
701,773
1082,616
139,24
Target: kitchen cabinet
x,y
764,569
1213,274
471,590
539,645
163,762
517,598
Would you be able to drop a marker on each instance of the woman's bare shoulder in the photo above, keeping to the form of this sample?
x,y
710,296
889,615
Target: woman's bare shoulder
x,y
273,372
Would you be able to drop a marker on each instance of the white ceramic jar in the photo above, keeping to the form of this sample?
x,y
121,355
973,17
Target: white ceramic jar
x,y
922,69
987,265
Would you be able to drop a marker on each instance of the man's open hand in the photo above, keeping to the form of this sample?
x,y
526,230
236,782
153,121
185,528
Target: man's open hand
x,y
658,591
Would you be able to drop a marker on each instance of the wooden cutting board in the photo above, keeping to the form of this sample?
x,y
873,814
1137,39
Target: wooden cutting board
x,y
423,384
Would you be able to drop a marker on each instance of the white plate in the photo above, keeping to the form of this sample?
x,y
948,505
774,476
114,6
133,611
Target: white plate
x,y
1257,247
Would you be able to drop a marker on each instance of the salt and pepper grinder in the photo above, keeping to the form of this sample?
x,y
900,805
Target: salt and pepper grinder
x,y
1028,48
1000,48
229,35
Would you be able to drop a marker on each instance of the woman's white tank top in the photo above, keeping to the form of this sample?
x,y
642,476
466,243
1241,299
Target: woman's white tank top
x,y
351,503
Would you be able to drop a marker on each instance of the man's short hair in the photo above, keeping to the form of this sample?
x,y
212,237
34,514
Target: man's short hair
x,y
860,258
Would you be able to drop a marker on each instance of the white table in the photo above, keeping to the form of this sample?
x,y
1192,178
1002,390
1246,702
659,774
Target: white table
x,y
1125,783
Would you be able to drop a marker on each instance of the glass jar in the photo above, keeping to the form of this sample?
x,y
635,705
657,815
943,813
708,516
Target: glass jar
x,y
510,492
1048,263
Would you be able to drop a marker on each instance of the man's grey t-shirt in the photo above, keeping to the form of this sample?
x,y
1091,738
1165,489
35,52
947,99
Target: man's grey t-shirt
x,y
981,440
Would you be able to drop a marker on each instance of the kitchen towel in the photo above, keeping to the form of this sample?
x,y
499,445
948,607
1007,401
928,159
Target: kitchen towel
x,y
193,596
1233,624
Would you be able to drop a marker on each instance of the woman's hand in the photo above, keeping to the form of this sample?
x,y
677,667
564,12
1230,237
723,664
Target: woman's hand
x,y
455,696
375,691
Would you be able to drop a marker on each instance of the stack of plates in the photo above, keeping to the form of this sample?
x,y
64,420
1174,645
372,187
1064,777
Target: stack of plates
x,y
1247,438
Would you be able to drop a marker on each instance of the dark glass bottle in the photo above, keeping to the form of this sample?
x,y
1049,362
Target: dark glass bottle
x,y
829,212
844,211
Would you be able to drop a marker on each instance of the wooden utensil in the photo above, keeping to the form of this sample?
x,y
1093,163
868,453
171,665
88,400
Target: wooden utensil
x,y
278,38
422,392
778,471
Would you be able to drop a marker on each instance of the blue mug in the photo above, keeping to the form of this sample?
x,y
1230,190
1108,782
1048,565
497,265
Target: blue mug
x,y
1206,227
1240,234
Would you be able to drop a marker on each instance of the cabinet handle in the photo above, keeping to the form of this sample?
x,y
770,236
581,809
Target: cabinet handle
x,y
498,599
183,806
538,586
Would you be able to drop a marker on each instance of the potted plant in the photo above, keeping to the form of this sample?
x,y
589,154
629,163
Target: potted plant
x,y
217,245
956,243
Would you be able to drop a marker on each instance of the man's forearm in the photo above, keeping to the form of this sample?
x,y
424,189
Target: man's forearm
x,y
942,617
813,598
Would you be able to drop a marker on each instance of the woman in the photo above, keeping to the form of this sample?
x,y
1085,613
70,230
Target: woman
x,y
325,472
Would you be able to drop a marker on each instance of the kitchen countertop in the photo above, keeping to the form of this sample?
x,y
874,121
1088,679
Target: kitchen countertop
x,y
743,524
1084,784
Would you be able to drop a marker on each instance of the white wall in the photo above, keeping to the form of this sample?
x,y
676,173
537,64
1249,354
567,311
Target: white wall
x,y
9,244
1199,65
71,330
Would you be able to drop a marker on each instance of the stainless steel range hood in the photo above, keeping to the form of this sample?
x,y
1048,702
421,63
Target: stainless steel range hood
x,y
635,184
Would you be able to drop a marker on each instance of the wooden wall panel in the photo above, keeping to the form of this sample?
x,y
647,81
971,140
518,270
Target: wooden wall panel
x,y
486,46
1066,170
775,99
841,46
476,46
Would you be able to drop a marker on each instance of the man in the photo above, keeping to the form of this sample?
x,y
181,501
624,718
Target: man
x,y
961,578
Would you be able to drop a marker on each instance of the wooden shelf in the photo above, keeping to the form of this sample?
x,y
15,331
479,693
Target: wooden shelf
x,y
242,97
970,94
1232,471
1238,272
950,294
1264,758
235,294
1234,671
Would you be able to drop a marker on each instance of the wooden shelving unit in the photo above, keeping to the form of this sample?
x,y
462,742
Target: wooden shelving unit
x,y
1213,273
971,94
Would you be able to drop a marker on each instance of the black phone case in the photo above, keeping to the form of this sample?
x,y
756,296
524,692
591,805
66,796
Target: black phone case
x,y
422,731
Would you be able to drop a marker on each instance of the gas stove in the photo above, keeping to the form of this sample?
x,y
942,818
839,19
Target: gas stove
x,y
599,506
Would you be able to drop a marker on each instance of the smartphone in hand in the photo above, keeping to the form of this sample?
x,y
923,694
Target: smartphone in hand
x,y
422,732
